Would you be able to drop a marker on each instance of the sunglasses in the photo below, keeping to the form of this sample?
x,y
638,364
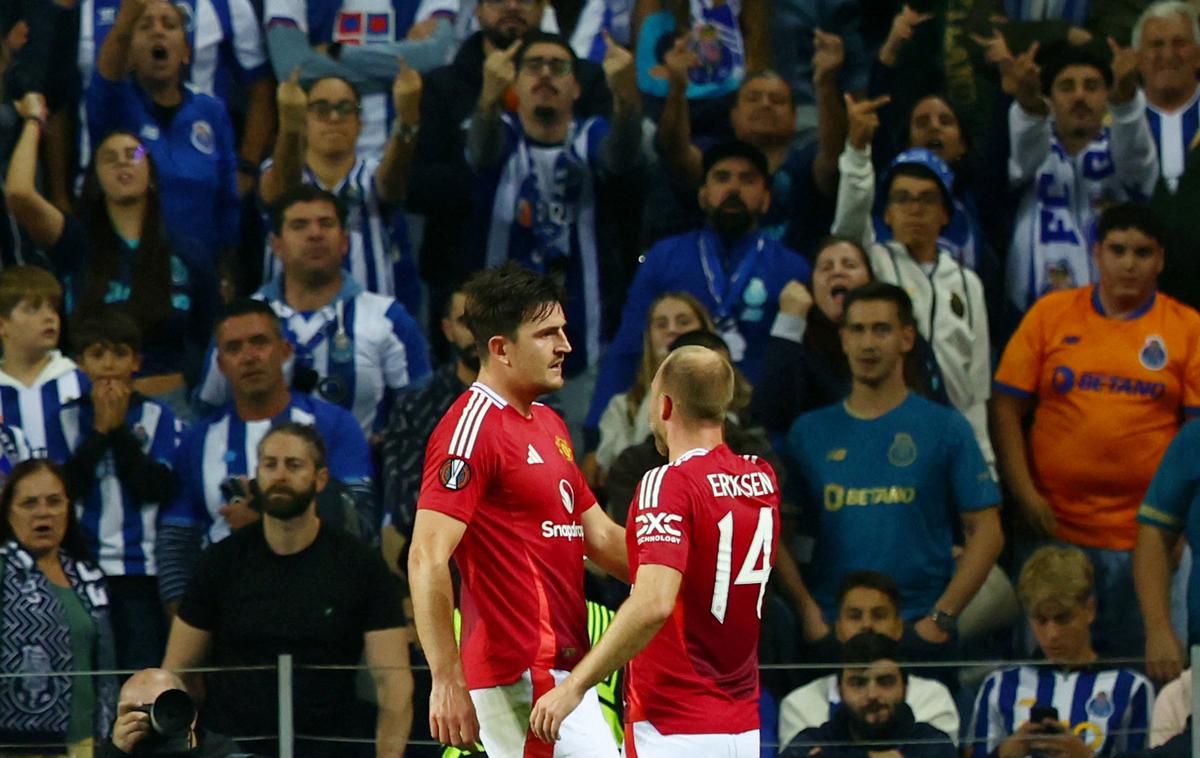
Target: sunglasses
x,y
323,109
556,66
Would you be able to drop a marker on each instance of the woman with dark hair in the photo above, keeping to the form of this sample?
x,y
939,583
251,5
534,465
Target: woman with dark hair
x,y
53,618
805,367
118,250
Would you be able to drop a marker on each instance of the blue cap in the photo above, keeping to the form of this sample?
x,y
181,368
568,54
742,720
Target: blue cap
x,y
922,156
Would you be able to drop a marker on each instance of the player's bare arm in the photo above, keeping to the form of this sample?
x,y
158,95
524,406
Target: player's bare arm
x,y
452,719
982,542
640,617
605,543
387,656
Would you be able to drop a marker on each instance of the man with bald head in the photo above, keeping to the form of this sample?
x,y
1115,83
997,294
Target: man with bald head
x,y
702,535
132,726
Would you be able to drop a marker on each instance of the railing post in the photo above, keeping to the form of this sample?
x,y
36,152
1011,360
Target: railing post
x,y
287,730
1195,672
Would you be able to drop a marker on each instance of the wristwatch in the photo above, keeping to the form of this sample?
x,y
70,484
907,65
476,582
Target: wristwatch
x,y
406,132
945,620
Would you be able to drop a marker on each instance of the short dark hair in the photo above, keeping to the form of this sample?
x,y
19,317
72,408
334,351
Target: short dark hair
x,y
1053,59
107,325
306,433
545,38
502,298
866,647
247,306
917,171
1137,216
877,290
305,193
830,240
736,148
871,580
347,82
73,541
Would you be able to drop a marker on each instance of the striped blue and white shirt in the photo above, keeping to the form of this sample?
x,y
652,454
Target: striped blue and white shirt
x,y
34,409
378,239
225,446
13,450
543,214
119,528
362,346
1108,709
1173,134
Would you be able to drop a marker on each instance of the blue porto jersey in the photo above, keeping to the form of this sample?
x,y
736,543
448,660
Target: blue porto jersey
x,y
119,529
886,494
34,409
225,446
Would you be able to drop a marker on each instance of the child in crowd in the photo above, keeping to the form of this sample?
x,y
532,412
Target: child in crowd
x,y
119,445
36,380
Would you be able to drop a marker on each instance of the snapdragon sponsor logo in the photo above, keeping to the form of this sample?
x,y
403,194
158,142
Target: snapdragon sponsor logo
x,y
551,530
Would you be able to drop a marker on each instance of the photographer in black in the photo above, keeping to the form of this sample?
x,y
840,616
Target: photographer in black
x,y
134,733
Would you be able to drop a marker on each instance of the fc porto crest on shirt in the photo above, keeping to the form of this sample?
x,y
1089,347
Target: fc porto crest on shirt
x,y
203,138
1153,354
454,474
903,451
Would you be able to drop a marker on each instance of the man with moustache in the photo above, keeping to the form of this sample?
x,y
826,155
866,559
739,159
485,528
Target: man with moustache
x,y
731,265
874,719
440,181
296,585
543,179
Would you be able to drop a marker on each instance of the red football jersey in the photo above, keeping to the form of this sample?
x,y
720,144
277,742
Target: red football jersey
x,y
714,516
514,482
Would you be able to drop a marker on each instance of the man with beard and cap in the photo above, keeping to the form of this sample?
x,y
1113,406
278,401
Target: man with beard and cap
x,y
1068,165
874,719
543,180
294,584
730,264
440,180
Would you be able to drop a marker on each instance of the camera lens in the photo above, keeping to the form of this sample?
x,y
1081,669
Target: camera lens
x,y
172,713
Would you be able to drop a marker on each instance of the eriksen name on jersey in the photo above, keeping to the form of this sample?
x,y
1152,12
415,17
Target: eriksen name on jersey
x,y
752,484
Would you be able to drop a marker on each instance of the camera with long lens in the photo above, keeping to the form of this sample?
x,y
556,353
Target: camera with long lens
x,y
171,717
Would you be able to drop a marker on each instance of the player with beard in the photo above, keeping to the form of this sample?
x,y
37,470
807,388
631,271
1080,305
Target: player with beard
x,y
874,720
294,584
702,538
731,265
501,494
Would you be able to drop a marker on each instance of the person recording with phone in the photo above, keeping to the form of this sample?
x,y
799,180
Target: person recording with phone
x,y
1074,706
156,716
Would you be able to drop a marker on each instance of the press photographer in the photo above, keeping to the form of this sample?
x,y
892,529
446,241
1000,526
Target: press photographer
x,y
155,716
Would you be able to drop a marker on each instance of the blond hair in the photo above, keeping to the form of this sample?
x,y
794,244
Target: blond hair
x,y
1056,572
699,382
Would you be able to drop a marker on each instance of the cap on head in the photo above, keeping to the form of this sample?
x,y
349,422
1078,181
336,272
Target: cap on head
x,y
939,171
736,149
1054,58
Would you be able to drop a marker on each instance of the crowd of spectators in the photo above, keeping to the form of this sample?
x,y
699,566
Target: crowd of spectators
x,y
951,249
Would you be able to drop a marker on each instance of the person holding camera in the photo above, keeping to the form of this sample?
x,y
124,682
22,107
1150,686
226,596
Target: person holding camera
x,y
1074,706
156,716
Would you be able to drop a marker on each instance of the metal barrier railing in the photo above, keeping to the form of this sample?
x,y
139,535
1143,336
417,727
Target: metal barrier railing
x,y
285,669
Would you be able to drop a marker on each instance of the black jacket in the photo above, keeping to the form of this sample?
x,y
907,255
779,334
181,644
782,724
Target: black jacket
x,y
913,739
212,745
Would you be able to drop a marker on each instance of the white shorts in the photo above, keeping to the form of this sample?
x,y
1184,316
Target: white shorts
x,y
642,740
503,714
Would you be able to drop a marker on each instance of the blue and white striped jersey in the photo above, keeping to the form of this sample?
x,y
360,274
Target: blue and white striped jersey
x,y
1109,709
34,409
13,450
1074,11
225,446
362,347
375,244
120,529
1173,134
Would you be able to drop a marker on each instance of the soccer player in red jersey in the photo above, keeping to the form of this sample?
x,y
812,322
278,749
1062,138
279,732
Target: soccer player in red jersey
x,y
702,534
501,494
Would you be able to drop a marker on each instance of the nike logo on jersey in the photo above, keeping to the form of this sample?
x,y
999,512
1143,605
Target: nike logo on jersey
x,y
533,456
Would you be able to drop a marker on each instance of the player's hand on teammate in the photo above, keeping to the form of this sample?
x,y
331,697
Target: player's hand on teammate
x,y
452,719
552,709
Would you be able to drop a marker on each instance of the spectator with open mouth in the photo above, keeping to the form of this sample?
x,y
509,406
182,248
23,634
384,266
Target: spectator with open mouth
x,y
138,87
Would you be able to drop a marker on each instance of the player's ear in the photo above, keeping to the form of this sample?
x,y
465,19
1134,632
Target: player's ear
x,y
498,349
668,406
